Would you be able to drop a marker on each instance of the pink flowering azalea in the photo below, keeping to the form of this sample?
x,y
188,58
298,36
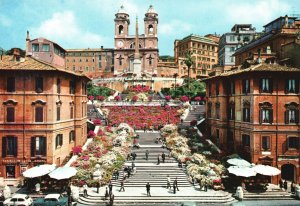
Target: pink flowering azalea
x,y
154,75
184,98
198,99
76,150
168,98
135,98
193,123
97,121
150,98
91,97
101,98
118,98
91,133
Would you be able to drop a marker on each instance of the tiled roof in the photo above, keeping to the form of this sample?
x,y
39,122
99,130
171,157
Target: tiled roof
x,y
257,68
29,63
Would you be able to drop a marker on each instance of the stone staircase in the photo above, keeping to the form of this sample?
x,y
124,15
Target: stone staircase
x,y
268,195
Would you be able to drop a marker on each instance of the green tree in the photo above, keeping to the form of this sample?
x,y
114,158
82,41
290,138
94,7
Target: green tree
x,y
188,62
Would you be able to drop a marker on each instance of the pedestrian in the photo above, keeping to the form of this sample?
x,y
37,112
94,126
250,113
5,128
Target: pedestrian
x,y
110,186
117,174
158,160
128,157
176,183
85,188
293,187
285,185
147,154
144,128
200,184
163,157
205,186
133,156
280,183
106,194
98,185
174,188
122,186
128,172
111,200
148,189
168,182
132,165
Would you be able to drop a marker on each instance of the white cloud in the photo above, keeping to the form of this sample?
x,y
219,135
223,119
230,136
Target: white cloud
x,y
174,27
262,11
63,29
5,21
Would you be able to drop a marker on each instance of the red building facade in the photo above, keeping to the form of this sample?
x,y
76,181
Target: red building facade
x,y
255,112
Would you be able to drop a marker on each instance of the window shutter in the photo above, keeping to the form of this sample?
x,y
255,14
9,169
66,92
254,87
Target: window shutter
x,y
286,86
56,141
244,86
297,86
33,146
15,150
271,85
268,143
286,117
271,115
260,86
61,140
43,145
4,146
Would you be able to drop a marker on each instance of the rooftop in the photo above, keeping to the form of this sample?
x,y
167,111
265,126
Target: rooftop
x,y
8,62
199,38
89,50
263,67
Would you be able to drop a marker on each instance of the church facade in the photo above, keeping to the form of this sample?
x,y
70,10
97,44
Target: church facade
x,y
126,53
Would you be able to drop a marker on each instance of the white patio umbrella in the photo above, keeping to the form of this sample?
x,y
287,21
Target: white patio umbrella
x,y
266,170
239,162
242,171
63,173
39,170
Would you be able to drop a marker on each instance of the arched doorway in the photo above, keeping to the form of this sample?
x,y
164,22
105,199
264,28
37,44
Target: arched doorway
x,y
288,172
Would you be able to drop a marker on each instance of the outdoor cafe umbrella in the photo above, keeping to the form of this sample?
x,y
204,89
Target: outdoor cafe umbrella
x,y
239,162
39,170
266,170
63,173
242,171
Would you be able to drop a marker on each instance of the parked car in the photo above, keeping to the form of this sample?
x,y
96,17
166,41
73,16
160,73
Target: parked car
x,y
18,200
52,200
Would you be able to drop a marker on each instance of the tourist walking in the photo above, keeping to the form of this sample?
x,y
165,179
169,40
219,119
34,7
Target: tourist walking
x,y
98,185
122,186
133,156
111,200
176,183
132,165
148,189
106,194
158,160
280,183
293,187
168,182
128,172
110,186
285,185
85,188
147,154
163,157
174,188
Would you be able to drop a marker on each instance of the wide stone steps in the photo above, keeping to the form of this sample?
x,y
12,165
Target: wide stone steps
x,y
268,195
93,199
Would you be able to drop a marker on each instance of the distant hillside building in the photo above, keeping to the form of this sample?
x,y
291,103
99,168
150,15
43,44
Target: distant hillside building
x,y
204,53
229,42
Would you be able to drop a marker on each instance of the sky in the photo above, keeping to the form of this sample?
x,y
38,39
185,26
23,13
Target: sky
x,y
90,23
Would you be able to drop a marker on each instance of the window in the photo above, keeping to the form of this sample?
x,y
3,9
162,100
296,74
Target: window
x,y
58,140
86,60
217,89
232,49
150,29
231,87
121,29
291,114
72,87
265,142
45,47
58,85
217,110
245,140
71,112
35,47
293,143
39,114
10,114
11,173
72,136
9,146
99,65
231,112
86,68
10,84
209,107
292,86
246,111
246,86
232,38
266,112
266,85
38,146
39,85
58,113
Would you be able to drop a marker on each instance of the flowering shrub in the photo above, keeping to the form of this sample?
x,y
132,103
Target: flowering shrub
x,y
154,75
97,121
101,98
139,88
198,99
91,97
112,92
184,98
168,98
118,98
150,98
193,123
76,150
91,133
134,98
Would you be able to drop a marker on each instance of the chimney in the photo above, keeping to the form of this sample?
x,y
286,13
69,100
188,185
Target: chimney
x,y
27,52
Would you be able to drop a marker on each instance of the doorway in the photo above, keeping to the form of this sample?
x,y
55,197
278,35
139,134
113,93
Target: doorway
x,y
288,172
